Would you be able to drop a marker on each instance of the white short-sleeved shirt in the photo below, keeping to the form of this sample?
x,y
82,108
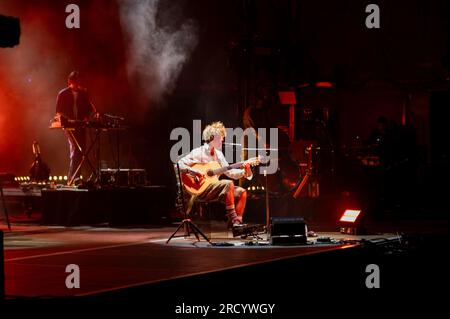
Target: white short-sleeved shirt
x,y
202,154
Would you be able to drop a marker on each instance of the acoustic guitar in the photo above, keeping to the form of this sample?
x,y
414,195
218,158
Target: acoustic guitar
x,y
211,171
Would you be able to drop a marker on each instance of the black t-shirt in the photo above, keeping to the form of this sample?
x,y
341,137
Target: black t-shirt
x,y
65,104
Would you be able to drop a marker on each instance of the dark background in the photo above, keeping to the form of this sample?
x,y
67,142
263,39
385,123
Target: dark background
x,y
229,49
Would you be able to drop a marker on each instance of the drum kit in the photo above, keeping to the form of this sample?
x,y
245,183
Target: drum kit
x,y
296,168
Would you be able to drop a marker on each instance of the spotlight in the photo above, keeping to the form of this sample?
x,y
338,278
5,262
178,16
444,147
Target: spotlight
x,y
350,215
9,31
349,222
60,178
324,84
50,178
65,177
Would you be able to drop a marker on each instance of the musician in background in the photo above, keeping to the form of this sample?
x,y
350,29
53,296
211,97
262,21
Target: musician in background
x,y
234,197
73,104
259,115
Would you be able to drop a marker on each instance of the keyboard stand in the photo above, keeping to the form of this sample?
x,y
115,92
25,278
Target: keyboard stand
x,y
85,153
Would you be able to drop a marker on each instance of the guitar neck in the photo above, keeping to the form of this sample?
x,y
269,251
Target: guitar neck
x,y
222,170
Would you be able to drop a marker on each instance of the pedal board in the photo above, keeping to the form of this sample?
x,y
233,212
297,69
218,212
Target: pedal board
x,y
247,230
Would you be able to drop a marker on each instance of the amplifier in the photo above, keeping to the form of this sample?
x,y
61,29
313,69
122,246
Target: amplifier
x,y
8,180
2,269
287,231
123,177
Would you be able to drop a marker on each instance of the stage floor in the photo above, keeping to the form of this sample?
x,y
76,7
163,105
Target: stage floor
x,y
111,258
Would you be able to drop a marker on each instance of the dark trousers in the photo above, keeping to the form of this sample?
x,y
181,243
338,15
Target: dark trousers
x,y
75,154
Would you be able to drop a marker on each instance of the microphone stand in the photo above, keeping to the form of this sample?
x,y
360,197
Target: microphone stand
x,y
265,177
267,203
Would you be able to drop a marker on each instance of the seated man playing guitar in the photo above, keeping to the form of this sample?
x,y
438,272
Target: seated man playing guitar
x,y
201,168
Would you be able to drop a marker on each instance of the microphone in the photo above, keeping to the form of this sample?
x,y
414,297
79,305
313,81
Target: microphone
x,y
114,116
251,148
232,144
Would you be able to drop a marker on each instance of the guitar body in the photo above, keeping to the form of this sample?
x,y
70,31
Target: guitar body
x,y
196,186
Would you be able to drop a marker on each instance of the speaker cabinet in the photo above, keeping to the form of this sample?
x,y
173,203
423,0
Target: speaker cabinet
x,y
2,269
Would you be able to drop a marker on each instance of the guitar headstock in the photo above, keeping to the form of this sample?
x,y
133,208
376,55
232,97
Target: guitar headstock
x,y
257,160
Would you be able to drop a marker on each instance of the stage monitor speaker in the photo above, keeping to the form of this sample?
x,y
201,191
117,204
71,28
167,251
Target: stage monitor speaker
x,y
126,177
8,180
439,115
287,231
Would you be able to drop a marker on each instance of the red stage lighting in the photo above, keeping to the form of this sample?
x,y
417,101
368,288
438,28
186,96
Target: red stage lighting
x,y
324,84
350,215
349,222
287,97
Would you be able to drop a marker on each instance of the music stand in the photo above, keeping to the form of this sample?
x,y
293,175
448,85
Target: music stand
x,y
186,223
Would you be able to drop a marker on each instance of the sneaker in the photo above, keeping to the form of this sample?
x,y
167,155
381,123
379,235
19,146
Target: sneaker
x,y
236,221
